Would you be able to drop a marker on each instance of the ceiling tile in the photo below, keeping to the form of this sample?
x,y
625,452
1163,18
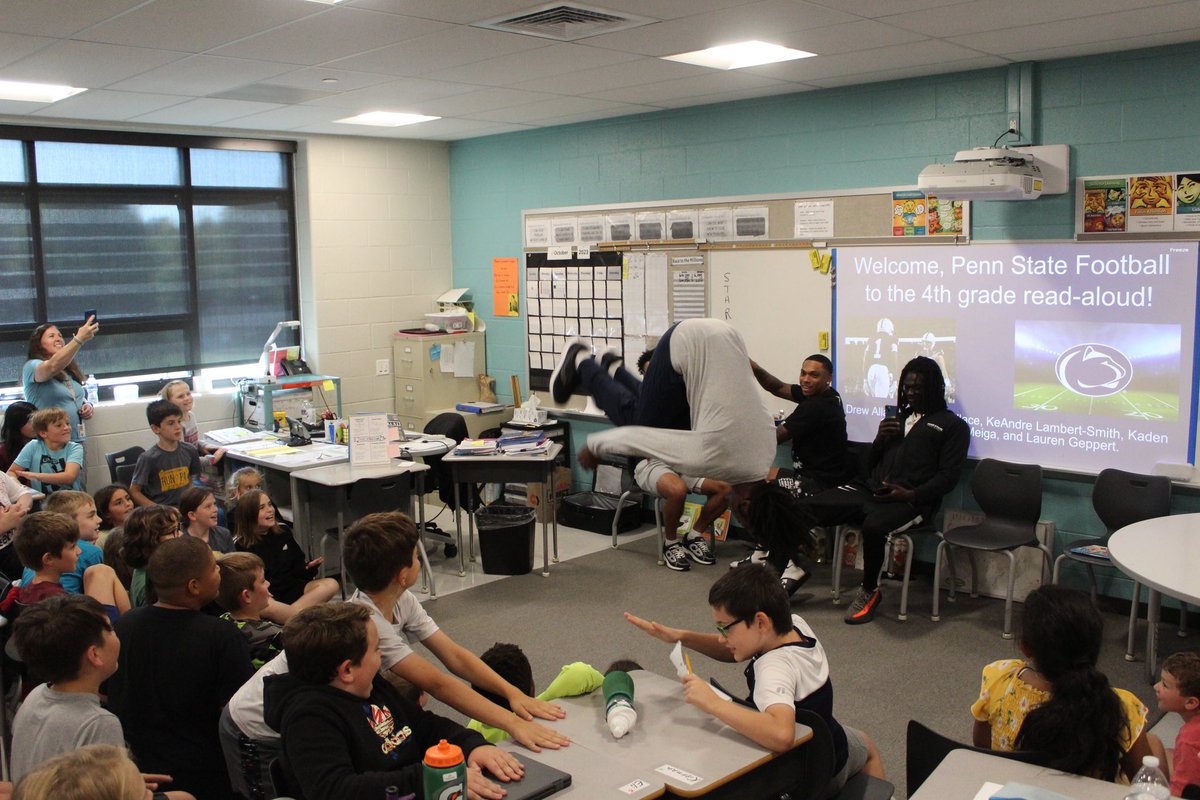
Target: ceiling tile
x,y
556,107
14,46
929,51
314,78
402,94
204,111
742,94
193,27
1112,45
42,18
517,67
440,50
882,8
1085,30
695,86
338,33
463,12
916,71
201,75
482,100
284,119
979,16
615,76
86,64
105,104
18,108
861,35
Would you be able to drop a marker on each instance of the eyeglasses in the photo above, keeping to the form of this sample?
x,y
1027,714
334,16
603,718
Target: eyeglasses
x,y
724,629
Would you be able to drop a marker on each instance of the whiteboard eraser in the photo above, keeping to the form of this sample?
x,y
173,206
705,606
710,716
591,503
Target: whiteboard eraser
x,y
1176,472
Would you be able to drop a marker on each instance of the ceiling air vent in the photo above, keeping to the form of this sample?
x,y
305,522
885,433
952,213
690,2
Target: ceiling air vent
x,y
565,22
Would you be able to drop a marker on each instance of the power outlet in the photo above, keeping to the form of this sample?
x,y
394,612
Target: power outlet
x,y
383,366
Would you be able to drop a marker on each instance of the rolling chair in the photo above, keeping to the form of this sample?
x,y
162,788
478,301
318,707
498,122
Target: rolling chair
x,y
121,464
925,749
1010,496
819,765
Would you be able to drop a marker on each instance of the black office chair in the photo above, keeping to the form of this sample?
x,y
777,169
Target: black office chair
x,y
1010,496
453,426
122,464
374,495
819,763
926,748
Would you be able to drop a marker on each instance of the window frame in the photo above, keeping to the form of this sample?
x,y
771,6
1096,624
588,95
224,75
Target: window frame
x,y
184,196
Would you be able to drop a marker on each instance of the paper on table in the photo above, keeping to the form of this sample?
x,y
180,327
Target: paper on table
x,y
446,362
986,791
464,360
677,659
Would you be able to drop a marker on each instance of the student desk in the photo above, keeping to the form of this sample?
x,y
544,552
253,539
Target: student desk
x,y
1162,554
962,774
278,463
501,468
676,749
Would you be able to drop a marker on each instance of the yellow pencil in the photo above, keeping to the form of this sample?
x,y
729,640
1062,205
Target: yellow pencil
x,y
688,660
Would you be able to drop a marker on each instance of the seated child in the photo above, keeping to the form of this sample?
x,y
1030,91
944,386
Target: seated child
x,y
510,663
788,669
46,542
16,432
1179,691
179,393
113,504
15,501
1058,702
51,461
256,530
80,507
177,668
170,465
245,595
330,747
198,510
241,481
68,640
95,772
145,529
379,553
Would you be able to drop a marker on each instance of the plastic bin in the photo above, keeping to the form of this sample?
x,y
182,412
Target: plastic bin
x,y
505,539
594,511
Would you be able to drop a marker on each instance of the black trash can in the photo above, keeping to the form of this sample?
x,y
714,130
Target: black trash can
x,y
506,539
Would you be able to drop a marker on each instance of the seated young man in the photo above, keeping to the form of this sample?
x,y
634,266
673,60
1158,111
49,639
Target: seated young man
x,y
346,732
788,669
656,478
178,667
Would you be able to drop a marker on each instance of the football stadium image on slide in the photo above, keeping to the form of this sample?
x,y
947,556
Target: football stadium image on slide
x,y
1127,370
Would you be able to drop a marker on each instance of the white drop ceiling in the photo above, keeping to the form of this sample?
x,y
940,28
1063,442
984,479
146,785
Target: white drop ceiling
x,y
292,67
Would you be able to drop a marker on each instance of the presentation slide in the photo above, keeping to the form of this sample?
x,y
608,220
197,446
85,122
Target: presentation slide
x,y
1070,355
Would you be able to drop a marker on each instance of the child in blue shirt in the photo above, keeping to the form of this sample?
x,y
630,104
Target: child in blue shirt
x,y
51,461
80,507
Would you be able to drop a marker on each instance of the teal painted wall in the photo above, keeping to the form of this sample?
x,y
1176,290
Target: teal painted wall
x,y
1122,112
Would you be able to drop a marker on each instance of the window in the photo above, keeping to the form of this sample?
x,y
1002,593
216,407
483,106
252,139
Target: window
x,y
185,246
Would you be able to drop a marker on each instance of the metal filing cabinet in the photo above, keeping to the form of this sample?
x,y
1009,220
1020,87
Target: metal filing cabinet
x,y
422,389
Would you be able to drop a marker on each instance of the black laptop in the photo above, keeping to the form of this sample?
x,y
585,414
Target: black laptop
x,y
539,781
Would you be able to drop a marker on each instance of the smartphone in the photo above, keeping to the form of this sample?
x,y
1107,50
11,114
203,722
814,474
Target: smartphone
x,y
91,312
891,412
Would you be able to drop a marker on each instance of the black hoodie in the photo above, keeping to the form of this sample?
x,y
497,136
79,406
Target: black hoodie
x,y
337,746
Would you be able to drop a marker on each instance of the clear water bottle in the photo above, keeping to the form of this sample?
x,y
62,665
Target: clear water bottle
x,y
91,389
308,413
1149,783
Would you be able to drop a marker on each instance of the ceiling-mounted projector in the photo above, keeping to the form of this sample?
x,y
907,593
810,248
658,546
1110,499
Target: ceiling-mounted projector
x,y
987,173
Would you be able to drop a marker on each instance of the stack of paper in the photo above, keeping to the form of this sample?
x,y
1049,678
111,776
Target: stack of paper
x,y
475,447
533,442
234,435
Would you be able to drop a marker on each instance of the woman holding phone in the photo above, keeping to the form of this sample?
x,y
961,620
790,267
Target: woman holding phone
x,y
51,377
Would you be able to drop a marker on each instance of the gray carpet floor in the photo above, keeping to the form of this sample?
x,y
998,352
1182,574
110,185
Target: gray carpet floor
x,y
884,673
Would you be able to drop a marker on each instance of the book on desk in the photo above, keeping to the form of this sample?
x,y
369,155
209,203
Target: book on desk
x,y
478,407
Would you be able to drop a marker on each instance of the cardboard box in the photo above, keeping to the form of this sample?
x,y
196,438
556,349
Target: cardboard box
x,y
535,491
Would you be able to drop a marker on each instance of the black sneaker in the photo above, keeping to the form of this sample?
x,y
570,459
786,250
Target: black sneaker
x,y
794,577
610,356
757,557
863,608
565,377
698,550
676,557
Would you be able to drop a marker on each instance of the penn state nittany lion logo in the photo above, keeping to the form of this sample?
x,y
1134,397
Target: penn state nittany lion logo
x,y
1093,370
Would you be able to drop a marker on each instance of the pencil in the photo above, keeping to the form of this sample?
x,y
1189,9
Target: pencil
x,y
688,660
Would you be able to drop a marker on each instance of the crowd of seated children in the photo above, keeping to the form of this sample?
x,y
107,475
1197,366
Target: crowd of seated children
x,y
198,511
177,668
46,541
113,504
95,772
510,663
788,669
245,594
146,528
1179,691
379,553
170,465
81,507
16,432
330,747
257,530
16,500
51,461
1058,702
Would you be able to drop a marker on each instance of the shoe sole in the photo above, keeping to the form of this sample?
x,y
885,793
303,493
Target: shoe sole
x,y
684,567
566,364
699,560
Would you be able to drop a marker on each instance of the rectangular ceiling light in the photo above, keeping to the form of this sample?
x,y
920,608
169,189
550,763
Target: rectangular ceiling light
x,y
386,119
739,55
36,92
326,2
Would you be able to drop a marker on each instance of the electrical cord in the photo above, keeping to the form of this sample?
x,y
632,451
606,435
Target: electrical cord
x,y
1001,136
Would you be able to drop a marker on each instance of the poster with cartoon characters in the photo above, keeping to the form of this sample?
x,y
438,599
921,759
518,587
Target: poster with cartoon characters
x,y
1160,203
1151,201
943,217
908,213
1187,201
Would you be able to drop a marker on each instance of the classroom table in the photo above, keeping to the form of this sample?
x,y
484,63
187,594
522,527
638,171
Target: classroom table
x,y
673,749
1162,554
962,774
501,468
278,461
338,478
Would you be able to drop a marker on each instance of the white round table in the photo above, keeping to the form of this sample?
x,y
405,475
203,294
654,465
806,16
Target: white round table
x,y
1164,555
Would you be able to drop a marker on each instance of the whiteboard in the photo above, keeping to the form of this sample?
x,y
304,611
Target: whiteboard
x,y
777,301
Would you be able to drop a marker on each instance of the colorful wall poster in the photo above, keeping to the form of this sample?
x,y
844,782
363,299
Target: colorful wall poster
x,y
944,217
1187,201
908,213
1104,209
505,288
1151,202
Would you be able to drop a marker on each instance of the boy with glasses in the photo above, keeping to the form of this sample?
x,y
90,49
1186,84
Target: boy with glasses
x,y
788,669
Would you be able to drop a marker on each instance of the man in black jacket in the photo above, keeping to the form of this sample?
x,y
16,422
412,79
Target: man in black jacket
x,y
915,459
